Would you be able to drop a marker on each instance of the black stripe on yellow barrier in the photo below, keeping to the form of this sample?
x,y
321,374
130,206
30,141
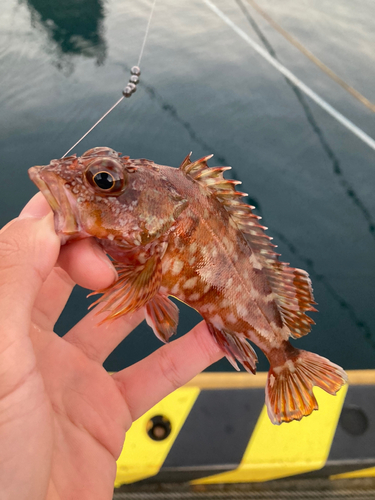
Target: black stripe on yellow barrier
x,y
215,434
353,449
217,431
275,452
355,436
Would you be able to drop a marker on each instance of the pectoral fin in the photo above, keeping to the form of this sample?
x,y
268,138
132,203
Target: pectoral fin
x,y
135,286
162,316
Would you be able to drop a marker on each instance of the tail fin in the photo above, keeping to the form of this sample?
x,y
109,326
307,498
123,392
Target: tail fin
x,y
289,390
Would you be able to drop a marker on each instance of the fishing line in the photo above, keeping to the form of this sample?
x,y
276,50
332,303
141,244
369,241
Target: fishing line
x,y
288,74
92,128
146,34
130,88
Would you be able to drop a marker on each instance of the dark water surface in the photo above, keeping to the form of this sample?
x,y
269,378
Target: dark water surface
x,y
63,64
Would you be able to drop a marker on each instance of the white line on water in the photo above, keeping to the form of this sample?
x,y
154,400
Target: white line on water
x,y
297,82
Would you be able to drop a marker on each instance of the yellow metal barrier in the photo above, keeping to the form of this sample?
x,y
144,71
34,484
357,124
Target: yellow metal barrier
x,y
216,430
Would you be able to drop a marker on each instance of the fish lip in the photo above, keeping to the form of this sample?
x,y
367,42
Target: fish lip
x,y
34,174
47,182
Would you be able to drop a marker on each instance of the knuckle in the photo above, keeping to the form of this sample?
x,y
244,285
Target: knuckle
x,y
26,248
169,369
86,348
10,257
9,245
63,275
14,248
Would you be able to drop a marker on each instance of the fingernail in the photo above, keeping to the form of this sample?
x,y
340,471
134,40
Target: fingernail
x,y
104,258
36,208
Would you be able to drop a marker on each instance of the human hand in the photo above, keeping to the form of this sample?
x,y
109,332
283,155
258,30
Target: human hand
x,y
63,418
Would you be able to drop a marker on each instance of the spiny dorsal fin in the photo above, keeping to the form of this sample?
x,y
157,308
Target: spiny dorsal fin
x,y
292,287
185,162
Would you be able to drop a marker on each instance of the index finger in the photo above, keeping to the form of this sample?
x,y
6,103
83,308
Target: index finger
x,y
147,382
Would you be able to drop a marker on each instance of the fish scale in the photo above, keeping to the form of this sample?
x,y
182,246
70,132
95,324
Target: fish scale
x,y
217,267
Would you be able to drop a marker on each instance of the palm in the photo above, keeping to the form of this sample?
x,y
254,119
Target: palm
x,y
63,418
89,413
89,419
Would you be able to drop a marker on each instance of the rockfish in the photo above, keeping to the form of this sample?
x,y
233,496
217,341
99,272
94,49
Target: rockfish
x,y
186,233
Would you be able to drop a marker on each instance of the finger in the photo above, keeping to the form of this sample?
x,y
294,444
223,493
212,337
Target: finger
x,y
87,264
147,382
28,252
37,207
52,298
78,258
57,287
98,341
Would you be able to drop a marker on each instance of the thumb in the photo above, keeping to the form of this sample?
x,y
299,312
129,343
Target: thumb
x,y
29,249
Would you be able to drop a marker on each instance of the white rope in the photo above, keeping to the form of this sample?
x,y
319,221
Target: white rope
x,y
288,74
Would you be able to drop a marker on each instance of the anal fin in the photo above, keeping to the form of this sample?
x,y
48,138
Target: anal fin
x,y
236,347
162,316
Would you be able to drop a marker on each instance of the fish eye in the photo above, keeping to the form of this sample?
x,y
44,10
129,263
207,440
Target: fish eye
x,y
106,175
104,180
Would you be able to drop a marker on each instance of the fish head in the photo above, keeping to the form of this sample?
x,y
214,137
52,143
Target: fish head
x,y
107,196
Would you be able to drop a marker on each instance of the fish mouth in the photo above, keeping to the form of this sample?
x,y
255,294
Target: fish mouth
x,y
54,191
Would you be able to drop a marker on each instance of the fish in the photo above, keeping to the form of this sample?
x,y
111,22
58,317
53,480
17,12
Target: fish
x,y
187,233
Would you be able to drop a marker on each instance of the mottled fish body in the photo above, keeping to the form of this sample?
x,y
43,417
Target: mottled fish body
x,y
186,233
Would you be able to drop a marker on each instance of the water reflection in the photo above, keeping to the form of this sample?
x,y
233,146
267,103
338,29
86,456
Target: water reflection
x,y
345,184
332,157
75,27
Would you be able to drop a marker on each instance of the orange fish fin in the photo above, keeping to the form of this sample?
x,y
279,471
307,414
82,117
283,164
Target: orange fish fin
x,y
289,389
162,316
293,296
135,286
209,177
236,347
291,287
185,162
